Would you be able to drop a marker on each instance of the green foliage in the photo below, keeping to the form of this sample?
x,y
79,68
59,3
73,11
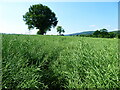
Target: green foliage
x,y
41,17
119,36
57,62
96,33
112,34
103,30
103,33
60,30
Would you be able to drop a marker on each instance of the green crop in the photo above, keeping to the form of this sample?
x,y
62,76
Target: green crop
x,y
51,62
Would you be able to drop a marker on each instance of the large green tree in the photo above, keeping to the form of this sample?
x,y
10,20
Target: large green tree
x,y
41,17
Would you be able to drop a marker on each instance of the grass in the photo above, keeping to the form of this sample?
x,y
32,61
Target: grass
x,y
47,62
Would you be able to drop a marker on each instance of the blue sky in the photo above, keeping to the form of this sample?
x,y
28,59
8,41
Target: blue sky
x,y
72,16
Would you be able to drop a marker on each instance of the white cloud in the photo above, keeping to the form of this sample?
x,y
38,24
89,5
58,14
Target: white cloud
x,y
92,25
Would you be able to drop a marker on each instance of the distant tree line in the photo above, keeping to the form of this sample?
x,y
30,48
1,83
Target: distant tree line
x,y
103,33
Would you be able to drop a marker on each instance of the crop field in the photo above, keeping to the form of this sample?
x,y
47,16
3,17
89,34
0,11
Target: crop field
x,y
51,62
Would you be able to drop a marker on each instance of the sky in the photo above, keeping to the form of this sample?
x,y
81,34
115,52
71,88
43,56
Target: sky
x,y
74,17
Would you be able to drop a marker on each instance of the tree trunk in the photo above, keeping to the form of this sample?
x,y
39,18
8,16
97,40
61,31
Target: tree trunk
x,y
41,32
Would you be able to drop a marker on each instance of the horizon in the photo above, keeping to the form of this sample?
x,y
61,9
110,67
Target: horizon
x,y
74,17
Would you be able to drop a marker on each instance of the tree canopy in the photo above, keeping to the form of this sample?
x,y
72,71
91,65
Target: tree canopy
x,y
60,30
96,33
41,17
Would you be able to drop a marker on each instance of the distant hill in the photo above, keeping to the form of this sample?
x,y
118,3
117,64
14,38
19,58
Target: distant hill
x,y
88,33
81,33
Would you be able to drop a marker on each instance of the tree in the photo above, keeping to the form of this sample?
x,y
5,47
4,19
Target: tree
x,y
104,33
103,30
96,33
41,17
60,30
118,36
111,35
